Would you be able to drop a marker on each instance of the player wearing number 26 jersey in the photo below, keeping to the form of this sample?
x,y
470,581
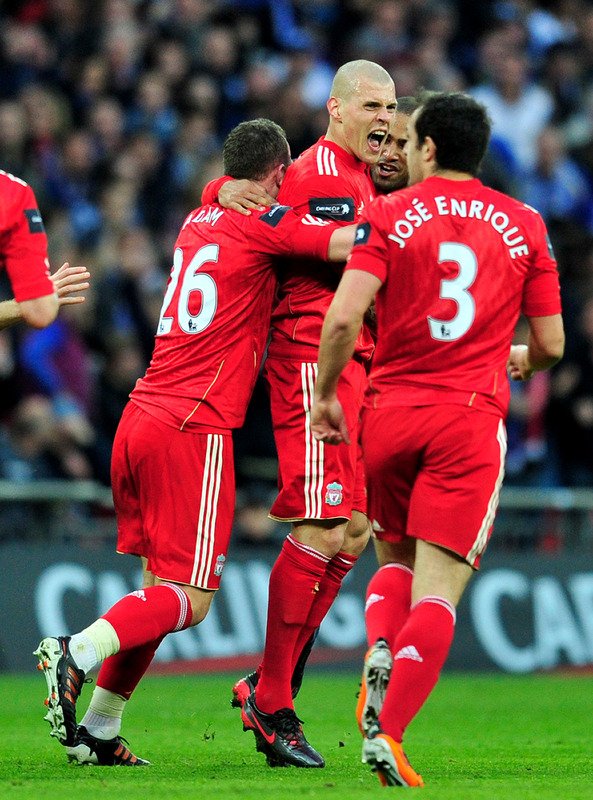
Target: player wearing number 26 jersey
x,y
174,441
209,345
172,464
215,317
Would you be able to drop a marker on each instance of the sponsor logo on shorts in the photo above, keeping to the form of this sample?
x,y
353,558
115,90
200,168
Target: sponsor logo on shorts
x,y
220,562
377,527
333,494
140,594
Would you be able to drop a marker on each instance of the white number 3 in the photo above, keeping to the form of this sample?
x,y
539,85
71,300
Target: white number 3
x,y
456,289
193,281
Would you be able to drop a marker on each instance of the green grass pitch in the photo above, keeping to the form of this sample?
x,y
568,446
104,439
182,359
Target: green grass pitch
x,y
478,738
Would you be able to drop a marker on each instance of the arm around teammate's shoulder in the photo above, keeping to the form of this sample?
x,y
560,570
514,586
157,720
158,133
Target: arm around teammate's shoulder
x,y
242,195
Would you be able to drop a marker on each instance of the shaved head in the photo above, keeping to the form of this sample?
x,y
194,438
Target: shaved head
x,y
361,107
350,76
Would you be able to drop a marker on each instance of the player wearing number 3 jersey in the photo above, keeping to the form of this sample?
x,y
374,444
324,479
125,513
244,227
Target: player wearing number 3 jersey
x,y
452,265
172,464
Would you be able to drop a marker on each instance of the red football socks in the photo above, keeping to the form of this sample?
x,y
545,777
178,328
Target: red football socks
x,y
122,672
419,652
295,582
337,569
148,614
388,602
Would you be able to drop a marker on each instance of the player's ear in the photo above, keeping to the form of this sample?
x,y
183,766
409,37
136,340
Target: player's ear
x,y
333,107
280,174
429,149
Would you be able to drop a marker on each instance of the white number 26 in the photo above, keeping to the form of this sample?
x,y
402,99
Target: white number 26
x,y
193,281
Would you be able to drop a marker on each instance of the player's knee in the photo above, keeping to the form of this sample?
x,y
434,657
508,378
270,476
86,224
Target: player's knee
x,y
326,536
331,540
200,604
357,534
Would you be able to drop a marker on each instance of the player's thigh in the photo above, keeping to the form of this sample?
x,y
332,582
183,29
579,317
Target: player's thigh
x,y
360,494
392,449
190,526
456,493
316,481
134,424
185,488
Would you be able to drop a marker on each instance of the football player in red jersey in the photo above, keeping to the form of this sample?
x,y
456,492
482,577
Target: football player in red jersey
x,y
68,282
322,491
390,173
172,463
23,252
451,265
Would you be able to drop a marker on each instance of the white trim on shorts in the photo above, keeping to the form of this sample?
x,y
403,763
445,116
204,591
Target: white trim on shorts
x,y
482,538
314,450
206,530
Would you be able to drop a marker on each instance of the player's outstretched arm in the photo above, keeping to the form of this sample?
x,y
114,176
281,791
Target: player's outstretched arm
x,y
68,281
544,349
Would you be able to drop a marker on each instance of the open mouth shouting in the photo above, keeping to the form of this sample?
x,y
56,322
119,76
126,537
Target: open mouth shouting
x,y
376,139
388,169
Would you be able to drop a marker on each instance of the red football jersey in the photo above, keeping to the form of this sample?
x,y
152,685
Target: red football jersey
x,y
325,181
215,317
458,263
23,243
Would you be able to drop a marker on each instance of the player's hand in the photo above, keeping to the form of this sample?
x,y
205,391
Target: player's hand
x,y
328,422
244,195
69,280
518,365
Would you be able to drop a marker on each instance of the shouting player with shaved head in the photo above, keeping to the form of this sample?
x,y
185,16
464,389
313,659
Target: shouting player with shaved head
x,y
322,490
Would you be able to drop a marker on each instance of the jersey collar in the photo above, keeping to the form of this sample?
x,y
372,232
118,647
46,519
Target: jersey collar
x,y
470,186
347,158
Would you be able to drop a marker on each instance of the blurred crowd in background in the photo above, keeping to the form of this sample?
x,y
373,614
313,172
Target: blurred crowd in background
x,y
115,112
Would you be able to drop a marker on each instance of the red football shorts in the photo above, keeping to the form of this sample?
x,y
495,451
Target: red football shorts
x,y
434,473
316,481
174,495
